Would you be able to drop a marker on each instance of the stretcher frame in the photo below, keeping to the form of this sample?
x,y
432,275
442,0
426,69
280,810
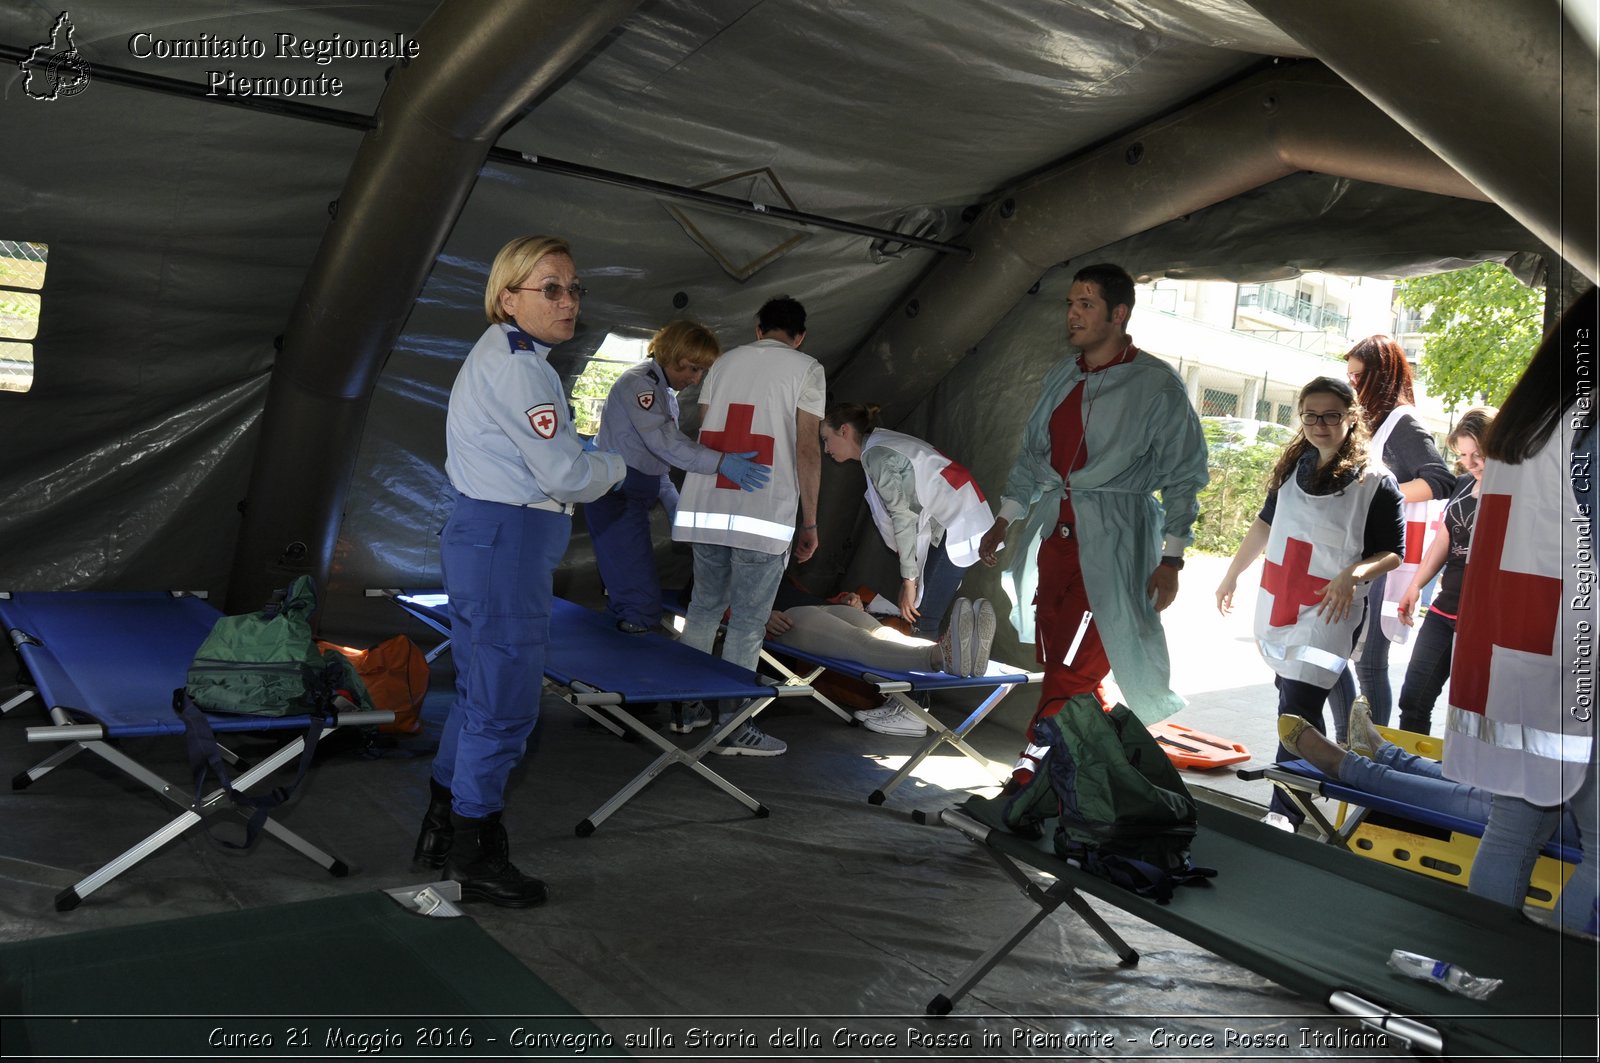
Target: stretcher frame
x,y
87,727
1545,1009
899,689
572,674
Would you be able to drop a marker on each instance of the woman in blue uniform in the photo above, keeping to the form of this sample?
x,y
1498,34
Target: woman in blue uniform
x,y
640,422
517,467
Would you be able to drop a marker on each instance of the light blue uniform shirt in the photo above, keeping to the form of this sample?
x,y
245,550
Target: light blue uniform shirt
x,y
509,434
640,422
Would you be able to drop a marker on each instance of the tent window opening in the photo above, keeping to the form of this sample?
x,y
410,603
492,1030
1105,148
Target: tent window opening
x,y
614,355
22,267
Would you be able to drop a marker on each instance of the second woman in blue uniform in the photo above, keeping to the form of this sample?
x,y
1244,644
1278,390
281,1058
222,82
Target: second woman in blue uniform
x,y
640,422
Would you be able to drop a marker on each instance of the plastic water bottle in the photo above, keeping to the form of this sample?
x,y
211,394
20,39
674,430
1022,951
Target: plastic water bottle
x,y
1440,972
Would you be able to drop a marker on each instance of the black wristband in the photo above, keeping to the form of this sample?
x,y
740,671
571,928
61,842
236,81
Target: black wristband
x,y
1173,562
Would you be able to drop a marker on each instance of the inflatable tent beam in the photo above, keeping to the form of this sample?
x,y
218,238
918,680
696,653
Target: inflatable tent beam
x,y
1289,119
1505,93
1293,118
480,67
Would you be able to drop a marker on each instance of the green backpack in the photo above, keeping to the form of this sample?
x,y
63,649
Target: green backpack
x,y
1122,810
268,664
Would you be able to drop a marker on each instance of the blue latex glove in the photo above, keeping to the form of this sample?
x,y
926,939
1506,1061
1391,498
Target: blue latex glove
x,y
587,443
749,475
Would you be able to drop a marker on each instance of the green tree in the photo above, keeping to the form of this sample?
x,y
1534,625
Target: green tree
x,y
589,392
1230,501
1481,333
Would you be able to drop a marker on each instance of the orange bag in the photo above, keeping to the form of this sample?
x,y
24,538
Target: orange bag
x,y
396,674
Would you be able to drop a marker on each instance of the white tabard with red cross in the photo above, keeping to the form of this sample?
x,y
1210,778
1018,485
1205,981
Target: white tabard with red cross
x,y
1520,722
946,492
749,398
1314,537
1422,522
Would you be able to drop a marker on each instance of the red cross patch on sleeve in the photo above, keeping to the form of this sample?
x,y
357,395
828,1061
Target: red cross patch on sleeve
x,y
542,418
647,399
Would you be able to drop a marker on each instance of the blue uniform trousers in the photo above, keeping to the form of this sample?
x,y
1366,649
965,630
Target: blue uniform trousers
x,y
498,563
619,527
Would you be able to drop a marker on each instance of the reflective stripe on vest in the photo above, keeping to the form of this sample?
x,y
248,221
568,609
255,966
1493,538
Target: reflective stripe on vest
x,y
736,522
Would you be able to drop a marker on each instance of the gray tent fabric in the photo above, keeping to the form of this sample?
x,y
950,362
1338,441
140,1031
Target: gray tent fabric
x,y
180,230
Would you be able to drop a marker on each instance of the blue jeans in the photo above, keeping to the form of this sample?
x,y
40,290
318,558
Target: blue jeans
x,y
1371,669
1427,672
1511,843
941,579
498,563
1402,776
743,582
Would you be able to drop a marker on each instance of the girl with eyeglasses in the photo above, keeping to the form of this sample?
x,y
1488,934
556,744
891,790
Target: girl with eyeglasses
x,y
1330,524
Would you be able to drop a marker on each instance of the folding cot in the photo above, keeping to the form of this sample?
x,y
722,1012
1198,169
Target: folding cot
x,y
603,672
105,665
1418,839
1274,909
903,689
339,976
898,688
432,607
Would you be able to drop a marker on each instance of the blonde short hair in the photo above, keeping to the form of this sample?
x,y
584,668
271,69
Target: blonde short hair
x,y
514,264
685,343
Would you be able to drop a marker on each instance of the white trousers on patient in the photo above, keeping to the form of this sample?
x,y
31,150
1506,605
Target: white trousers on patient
x,y
850,634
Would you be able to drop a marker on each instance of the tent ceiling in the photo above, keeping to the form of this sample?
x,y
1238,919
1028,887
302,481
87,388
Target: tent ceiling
x,y
181,232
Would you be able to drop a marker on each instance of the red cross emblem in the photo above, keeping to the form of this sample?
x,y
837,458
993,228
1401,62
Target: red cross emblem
x,y
1416,532
647,399
958,477
542,418
1291,584
736,438
1514,610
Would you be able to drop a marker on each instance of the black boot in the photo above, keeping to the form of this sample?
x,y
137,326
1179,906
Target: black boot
x,y
433,842
480,860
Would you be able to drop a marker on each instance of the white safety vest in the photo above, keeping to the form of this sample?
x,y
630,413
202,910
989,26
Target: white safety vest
x,y
1422,519
1521,717
1314,538
946,492
751,394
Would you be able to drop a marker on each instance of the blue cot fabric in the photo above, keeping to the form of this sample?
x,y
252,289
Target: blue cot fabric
x,y
116,657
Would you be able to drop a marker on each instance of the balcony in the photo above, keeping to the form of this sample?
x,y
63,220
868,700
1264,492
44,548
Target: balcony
x,y
1295,309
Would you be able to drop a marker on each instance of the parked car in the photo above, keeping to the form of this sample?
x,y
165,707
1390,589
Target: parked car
x,y
1233,433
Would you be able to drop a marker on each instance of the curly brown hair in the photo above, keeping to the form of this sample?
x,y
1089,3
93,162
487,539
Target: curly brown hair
x,y
1352,453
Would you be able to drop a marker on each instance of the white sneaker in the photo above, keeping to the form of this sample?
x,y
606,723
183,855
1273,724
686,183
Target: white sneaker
x,y
1280,821
983,625
863,715
897,721
750,741
956,644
